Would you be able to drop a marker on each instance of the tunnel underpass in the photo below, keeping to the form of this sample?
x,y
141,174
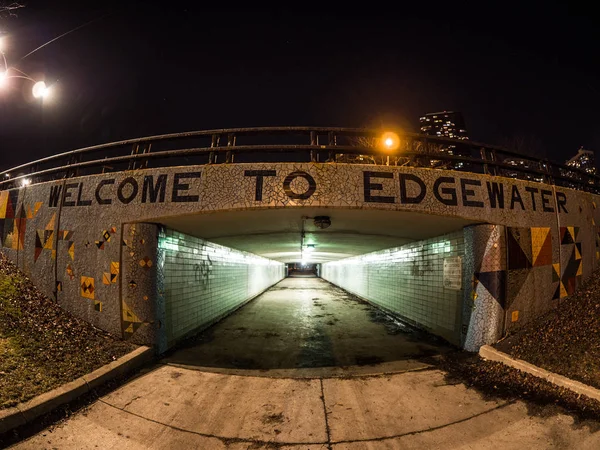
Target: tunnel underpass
x,y
304,322
381,296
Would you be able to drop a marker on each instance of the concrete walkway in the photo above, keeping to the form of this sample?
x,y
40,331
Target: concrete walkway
x,y
175,408
260,380
307,323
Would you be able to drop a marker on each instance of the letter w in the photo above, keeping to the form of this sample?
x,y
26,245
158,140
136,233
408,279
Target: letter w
x,y
54,196
496,194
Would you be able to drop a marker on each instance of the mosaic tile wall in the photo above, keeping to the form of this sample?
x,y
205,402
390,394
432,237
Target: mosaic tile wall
x,y
140,322
408,281
485,278
204,282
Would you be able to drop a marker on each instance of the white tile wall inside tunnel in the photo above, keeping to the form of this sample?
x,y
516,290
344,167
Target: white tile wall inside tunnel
x,y
205,281
408,281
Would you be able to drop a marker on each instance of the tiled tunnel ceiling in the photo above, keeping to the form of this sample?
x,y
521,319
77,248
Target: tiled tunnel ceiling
x,y
276,233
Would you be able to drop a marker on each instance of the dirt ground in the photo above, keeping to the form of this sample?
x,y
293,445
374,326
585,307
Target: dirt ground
x,y
41,345
567,339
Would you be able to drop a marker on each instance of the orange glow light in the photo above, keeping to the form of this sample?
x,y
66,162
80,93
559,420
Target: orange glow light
x,y
390,141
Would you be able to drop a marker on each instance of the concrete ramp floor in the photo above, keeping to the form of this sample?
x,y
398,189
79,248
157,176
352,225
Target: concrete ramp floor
x,y
305,326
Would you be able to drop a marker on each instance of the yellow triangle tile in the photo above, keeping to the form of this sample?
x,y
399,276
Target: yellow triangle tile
x,y
36,208
538,237
580,269
50,242
577,254
129,315
3,204
563,291
50,225
572,232
129,329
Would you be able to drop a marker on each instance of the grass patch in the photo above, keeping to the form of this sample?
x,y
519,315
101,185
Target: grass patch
x,y
41,345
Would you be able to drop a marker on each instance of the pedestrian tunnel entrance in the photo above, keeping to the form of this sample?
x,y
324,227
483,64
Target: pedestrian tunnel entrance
x,y
353,307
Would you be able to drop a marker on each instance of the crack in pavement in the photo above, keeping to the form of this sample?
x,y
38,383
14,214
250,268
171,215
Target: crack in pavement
x,y
325,413
224,440
329,443
131,401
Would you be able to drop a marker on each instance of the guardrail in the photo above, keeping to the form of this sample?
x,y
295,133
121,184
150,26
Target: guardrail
x,y
296,144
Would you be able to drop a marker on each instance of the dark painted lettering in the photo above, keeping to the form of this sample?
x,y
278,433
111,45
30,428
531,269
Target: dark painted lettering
x,y
54,196
178,186
466,193
80,201
154,191
134,190
101,200
532,191
515,197
67,195
368,187
561,202
312,185
546,201
452,200
404,198
260,178
495,194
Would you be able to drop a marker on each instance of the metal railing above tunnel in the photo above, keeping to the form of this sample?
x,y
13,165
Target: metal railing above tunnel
x,y
296,144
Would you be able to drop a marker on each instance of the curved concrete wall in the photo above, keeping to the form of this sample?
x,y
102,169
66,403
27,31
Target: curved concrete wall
x,y
69,235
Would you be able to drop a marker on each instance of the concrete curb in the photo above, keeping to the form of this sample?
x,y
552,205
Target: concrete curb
x,y
488,352
42,404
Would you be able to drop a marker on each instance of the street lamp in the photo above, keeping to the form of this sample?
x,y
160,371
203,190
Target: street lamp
x,y
39,89
390,141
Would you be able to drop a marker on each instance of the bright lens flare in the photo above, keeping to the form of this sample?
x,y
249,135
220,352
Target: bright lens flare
x,y
40,90
390,141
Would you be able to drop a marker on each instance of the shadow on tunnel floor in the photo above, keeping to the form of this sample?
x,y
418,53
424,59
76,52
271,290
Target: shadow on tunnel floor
x,y
305,324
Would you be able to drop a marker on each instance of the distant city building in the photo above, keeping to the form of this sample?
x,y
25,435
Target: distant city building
x,y
448,124
583,160
523,169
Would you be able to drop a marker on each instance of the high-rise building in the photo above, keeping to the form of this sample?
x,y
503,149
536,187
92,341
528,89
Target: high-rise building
x,y
583,160
448,124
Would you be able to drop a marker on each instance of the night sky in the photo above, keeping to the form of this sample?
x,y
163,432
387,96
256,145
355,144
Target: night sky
x,y
514,72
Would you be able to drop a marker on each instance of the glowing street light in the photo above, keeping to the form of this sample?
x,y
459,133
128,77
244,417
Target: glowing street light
x,y
25,182
390,141
40,90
